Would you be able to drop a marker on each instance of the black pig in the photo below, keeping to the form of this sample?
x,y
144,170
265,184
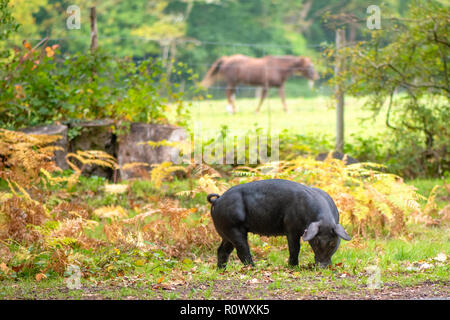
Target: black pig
x,y
276,207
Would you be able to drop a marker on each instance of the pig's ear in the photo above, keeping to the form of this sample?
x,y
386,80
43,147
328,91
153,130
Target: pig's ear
x,y
311,231
341,232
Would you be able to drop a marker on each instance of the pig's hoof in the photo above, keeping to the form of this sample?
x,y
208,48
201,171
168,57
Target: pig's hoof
x,y
249,266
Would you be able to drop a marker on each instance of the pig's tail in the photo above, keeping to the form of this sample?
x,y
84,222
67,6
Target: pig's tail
x,y
212,195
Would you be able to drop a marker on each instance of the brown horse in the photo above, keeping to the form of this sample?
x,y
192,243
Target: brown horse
x,y
269,71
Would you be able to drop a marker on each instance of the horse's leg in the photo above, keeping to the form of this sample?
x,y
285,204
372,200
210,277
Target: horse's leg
x,y
263,96
230,96
283,98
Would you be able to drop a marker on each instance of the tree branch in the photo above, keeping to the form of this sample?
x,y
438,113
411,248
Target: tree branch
x,y
389,112
423,85
443,56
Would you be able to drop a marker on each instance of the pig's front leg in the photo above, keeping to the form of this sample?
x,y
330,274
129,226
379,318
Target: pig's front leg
x,y
294,248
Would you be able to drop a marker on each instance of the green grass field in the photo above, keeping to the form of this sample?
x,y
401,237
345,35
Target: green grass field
x,y
307,116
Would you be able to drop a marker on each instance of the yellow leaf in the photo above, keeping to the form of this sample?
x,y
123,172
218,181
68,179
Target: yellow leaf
x,y
139,262
111,212
160,279
116,188
50,52
5,196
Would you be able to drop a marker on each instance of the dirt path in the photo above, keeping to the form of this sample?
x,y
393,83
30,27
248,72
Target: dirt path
x,y
236,290
230,290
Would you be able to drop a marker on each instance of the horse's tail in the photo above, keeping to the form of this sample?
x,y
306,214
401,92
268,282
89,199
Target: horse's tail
x,y
212,73
212,195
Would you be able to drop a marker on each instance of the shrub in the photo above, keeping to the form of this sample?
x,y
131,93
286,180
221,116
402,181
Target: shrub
x,y
22,156
40,87
405,66
371,202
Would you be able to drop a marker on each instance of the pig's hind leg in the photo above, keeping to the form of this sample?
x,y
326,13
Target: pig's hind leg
x,y
232,228
238,236
223,253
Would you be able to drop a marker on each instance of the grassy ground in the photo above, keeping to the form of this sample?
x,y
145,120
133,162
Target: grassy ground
x,y
409,268
425,186
413,266
307,116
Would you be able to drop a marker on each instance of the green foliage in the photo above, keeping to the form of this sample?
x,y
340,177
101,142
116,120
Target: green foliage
x,y
293,144
291,23
31,93
8,25
405,66
197,31
40,88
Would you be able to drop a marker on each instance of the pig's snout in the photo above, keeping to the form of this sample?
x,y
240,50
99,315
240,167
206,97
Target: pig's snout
x,y
323,264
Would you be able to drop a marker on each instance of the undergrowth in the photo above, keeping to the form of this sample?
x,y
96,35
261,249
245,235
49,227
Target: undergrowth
x,y
52,220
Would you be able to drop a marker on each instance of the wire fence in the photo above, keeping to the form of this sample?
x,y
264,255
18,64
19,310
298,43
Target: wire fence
x,y
198,56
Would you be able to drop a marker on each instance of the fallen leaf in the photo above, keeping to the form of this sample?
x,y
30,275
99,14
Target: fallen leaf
x,y
160,280
254,281
177,282
40,276
163,286
18,268
4,268
425,266
441,257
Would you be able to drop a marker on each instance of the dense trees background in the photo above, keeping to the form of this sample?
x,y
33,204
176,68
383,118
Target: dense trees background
x,y
404,64
195,31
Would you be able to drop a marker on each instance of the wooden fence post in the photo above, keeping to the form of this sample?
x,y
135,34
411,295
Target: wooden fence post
x,y
94,46
93,16
340,43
